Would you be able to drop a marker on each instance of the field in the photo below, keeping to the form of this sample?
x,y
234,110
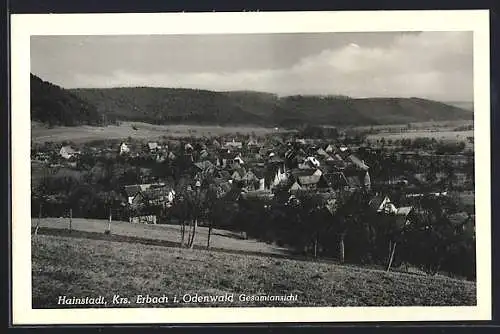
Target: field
x,y
79,134
165,234
438,135
63,265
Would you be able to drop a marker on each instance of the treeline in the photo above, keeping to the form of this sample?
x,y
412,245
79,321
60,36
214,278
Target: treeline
x,y
352,232
342,227
55,106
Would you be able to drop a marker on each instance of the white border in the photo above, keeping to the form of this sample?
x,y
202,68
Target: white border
x,y
25,25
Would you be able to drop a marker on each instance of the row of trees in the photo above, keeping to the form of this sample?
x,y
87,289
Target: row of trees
x,y
340,226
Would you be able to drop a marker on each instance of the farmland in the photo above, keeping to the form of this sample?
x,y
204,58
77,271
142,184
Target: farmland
x,y
83,267
437,134
85,133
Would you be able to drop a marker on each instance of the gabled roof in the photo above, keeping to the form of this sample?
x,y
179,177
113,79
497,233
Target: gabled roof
x,y
404,210
322,152
155,193
68,149
132,190
356,161
295,186
377,201
204,165
152,145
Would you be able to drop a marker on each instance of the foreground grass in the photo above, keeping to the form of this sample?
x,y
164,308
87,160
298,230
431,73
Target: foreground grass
x,y
85,267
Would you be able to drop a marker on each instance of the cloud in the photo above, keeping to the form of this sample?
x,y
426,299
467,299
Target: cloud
x,y
430,64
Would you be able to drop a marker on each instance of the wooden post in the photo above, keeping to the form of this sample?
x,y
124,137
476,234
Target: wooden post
x,y
391,258
39,219
70,218
109,221
316,246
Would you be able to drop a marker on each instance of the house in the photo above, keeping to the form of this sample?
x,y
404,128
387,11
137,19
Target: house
x,y
233,144
336,180
204,166
124,149
403,217
278,175
238,159
159,195
258,194
357,162
216,144
312,161
312,182
330,148
295,187
188,147
382,204
321,152
204,154
253,143
153,146
67,152
143,219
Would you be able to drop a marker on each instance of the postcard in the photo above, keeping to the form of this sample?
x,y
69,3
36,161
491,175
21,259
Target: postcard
x,y
250,167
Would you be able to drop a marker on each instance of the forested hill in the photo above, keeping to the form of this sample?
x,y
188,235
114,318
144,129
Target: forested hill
x,y
54,105
168,105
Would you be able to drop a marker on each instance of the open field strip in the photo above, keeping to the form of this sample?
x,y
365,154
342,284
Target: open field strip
x,y
80,134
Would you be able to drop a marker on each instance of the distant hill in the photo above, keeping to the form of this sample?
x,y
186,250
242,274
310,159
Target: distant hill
x,y
53,105
467,105
168,105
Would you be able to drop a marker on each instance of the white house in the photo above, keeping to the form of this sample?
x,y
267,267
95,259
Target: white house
x,y
67,152
124,148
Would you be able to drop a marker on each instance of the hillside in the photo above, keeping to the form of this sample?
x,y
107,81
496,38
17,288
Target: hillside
x,y
69,265
462,104
54,105
166,105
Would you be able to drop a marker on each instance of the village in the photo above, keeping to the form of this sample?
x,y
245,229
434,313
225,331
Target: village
x,y
151,182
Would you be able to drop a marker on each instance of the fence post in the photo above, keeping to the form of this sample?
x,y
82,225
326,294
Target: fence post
x,y
70,218
108,230
39,219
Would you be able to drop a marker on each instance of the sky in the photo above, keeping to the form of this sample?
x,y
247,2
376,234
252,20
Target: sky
x,y
434,65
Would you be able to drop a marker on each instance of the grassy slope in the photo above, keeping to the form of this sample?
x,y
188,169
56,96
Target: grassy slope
x,y
170,234
83,267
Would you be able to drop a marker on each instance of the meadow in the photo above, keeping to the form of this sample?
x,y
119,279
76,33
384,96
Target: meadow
x,y
161,233
445,135
79,267
137,130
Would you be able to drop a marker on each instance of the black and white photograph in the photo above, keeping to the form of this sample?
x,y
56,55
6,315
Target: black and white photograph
x,y
323,172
